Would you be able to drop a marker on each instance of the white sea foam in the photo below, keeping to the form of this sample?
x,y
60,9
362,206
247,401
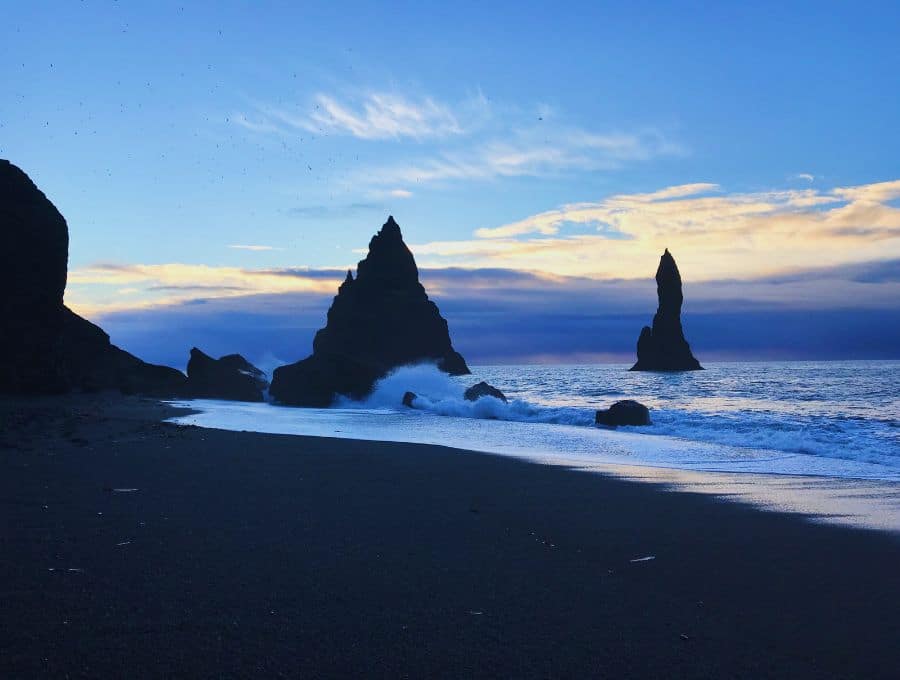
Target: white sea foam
x,y
438,393
828,419
836,423
779,414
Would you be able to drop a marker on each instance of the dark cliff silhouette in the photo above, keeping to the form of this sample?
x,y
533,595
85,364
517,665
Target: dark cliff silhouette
x,y
230,377
44,346
663,347
378,321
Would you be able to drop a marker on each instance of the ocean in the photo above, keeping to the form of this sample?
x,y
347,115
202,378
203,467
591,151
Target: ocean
x,y
830,419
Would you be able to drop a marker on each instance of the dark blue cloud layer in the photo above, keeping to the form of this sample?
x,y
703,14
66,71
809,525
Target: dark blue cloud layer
x,y
499,316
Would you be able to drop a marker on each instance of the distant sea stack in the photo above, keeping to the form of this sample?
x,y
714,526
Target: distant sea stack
x,y
229,377
46,348
378,321
663,347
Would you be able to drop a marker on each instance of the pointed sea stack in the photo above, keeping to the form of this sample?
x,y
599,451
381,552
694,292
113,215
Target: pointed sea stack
x,y
663,347
378,321
46,348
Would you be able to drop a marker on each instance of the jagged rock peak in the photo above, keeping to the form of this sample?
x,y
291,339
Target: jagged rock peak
x,y
390,227
668,284
347,284
389,261
663,347
378,321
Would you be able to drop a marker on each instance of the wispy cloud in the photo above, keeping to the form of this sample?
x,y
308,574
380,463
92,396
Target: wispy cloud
x,y
605,212
531,151
805,176
98,290
373,116
334,210
385,116
714,234
846,312
253,247
468,140
104,288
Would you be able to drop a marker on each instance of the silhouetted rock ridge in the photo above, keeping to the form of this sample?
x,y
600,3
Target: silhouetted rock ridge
x,y
44,346
663,347
230,377
378,321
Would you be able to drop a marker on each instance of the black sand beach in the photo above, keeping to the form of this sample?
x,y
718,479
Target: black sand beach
x,y
133,548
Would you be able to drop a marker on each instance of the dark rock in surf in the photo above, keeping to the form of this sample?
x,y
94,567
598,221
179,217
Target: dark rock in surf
x,y
230,377
409,398
628,412
483,389
46,348
663,347
378,321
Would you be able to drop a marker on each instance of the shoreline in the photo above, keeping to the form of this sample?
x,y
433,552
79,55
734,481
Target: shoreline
x,y
861,501
245,553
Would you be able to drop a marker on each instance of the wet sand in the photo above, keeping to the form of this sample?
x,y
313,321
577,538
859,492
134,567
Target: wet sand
x,y
135,548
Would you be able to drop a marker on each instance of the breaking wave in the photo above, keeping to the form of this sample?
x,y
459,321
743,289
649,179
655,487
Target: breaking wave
x,y
441,394
792,411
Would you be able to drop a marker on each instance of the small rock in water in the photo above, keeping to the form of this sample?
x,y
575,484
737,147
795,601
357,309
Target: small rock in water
x,y
628,412
483,389
409,398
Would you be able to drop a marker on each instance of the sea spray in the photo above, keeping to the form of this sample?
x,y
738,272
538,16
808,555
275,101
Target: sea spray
x,y
838,419
441,394
709,406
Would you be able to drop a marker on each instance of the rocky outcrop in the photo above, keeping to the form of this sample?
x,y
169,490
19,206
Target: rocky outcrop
x,y
44,346
483,389
230,377
626,412
663,347
378,321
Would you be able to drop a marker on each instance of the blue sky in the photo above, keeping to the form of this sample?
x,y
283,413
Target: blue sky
x,y
568,144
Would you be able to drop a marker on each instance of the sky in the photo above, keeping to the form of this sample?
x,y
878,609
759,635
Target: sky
x,y
221,166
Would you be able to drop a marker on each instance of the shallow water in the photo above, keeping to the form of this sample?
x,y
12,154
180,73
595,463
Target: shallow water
x,y
832,422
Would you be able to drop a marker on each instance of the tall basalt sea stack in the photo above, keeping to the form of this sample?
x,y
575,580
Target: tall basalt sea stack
x,y
378,321
663,347
44,346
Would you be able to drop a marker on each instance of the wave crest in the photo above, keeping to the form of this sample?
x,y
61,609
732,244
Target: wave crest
x,y
441,394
